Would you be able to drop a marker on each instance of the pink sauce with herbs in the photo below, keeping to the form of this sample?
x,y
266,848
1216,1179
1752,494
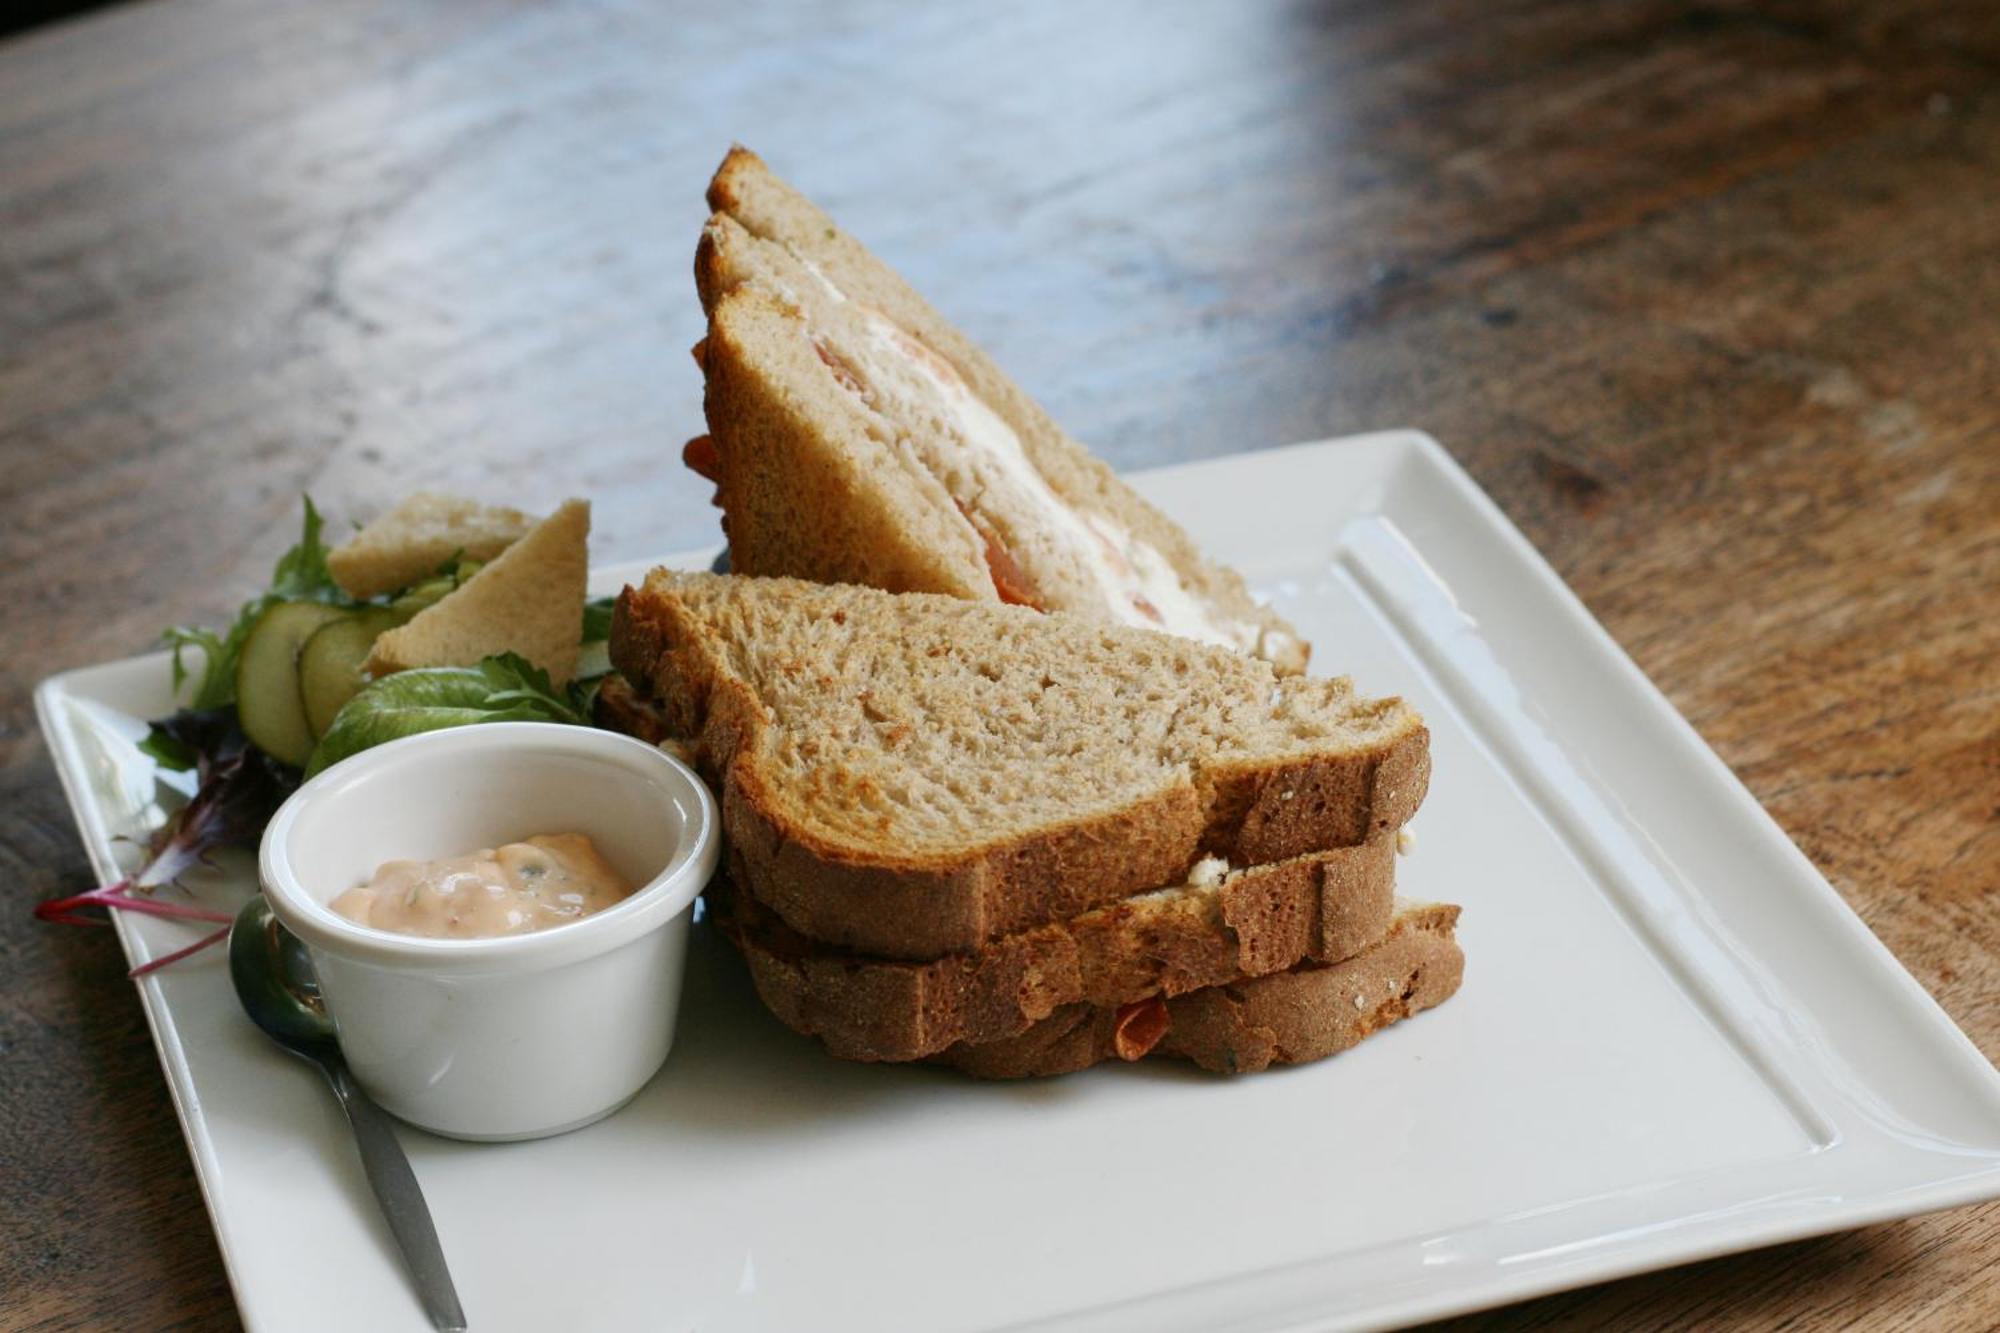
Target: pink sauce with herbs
x,y
547,880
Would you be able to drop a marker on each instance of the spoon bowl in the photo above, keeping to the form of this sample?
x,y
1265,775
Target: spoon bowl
x,y
275,982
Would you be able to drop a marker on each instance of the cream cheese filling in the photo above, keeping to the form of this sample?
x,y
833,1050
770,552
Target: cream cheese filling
x,y
1135,579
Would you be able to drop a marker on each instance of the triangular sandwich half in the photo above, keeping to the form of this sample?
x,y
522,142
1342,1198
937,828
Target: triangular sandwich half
x,y
857,437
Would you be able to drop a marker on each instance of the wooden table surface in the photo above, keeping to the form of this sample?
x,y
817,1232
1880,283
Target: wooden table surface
x,y
1706,296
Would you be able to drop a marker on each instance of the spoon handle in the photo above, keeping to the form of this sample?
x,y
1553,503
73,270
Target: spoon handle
x,y
402,1200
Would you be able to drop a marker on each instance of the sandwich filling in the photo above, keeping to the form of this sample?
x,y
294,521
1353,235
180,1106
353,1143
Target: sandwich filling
x,y
985,467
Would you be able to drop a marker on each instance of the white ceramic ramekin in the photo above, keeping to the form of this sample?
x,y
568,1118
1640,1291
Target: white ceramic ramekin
x,y
523,1035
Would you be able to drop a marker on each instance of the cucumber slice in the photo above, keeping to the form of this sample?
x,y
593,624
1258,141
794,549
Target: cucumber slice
x,y
268,703
330,663
593,659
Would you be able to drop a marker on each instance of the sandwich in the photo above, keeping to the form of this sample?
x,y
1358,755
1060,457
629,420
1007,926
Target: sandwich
x,y
956,823
961,832
854,436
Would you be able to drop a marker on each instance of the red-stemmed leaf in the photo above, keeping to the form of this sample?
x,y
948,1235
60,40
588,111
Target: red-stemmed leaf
x,y
237,790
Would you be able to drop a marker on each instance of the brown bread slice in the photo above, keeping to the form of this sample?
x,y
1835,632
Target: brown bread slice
x,y
855,436
1287,1018
1249,922
911,776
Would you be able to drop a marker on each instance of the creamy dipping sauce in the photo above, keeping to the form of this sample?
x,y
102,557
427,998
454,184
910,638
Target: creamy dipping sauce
x,y
548,880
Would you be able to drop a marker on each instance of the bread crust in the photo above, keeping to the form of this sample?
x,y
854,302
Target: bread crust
x,y
1293,1017
898,904
1327,906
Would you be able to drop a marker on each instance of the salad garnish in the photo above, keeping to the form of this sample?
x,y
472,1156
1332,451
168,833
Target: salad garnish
x,y
283,694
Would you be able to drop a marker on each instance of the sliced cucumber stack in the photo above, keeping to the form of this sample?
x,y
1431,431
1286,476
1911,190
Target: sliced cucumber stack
x,y
302,661
331,661
268,701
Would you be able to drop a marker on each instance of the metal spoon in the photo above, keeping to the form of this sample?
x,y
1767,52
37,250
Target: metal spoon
x,y
275,981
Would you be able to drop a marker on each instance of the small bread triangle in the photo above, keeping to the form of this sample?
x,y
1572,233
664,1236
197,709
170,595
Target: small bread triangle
x,y
411,541
528,600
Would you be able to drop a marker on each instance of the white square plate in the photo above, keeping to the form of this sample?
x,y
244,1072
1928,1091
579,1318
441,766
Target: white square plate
x,y
1673,1040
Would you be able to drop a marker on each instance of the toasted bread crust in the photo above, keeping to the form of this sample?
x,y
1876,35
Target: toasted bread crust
x,y
899,904
1325,906
1293,1017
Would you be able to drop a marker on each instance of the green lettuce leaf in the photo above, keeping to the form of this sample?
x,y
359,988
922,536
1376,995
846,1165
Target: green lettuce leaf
x,y
506,688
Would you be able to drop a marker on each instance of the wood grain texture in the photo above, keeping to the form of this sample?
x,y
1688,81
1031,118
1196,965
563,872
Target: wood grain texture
x,y
1707,297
